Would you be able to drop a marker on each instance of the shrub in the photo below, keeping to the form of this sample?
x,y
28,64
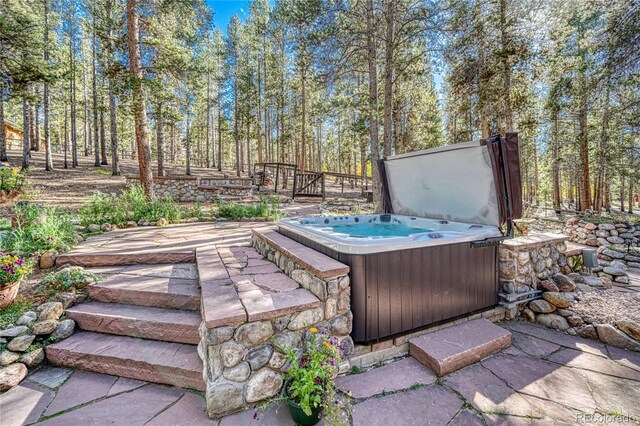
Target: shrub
x,y
132,205
261,209
11,178
71,278
39,229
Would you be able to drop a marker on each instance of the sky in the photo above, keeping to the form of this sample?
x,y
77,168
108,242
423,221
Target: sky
x,y
225,9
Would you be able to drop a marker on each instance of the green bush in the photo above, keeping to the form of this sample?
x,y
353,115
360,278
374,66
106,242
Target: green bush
x,y
263,208
132,205
12,178
71,278
39,229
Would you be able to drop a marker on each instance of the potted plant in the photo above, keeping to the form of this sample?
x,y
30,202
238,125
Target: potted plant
x,y
12,270
309,387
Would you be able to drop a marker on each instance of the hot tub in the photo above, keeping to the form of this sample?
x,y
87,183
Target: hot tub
x,y
381,233
433,255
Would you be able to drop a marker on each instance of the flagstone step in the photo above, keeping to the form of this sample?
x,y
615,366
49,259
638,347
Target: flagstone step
x,y
161,292
168,363
169,325
453,348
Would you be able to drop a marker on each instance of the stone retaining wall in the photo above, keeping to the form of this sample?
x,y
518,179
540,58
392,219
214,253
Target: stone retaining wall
x,y
196,188
615,241
525,261
241,344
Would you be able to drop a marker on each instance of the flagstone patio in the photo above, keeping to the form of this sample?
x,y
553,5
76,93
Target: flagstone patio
x,y
545,377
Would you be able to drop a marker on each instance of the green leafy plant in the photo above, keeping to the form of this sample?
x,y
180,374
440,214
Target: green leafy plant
x,y
309,381
264,208
38,229
10,314
131,205
11,178
71,278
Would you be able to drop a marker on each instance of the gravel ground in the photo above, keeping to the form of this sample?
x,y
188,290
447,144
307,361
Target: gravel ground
x,y
608,306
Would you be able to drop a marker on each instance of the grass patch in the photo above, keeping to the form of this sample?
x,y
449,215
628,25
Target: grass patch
x,y
39,229
131,205
10,314
101,172
611,218
356,370
263,208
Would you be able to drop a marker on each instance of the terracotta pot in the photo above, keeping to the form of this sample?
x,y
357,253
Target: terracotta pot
x,y
8,293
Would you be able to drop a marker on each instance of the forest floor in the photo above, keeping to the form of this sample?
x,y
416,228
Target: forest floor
x,y
71,187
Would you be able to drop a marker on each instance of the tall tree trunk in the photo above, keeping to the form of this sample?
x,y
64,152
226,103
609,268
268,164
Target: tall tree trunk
x,y
32,126
555,165
26,135
622,193
36,124
94,88
631,187
3,133
602,151
303,131
188,140
113,131
103,137
219,100
208,131
74,134
48,160
66,137
506,68
139,100
388,77
374,139
259,116
160,139
236,135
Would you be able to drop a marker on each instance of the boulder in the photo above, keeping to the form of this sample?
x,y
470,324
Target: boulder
x,y
606,226
254,333
44,327
588,332
8,357
632,328
33,358
547,285
94,227
27,318
50,311
593,281
262,385
558,299
529,315
14,331
306,318
47,259
21,343
553,321
239,373
259,356
622,279
12,375
575,321
64,329
223,398
563,282
541,306
231,353
612,336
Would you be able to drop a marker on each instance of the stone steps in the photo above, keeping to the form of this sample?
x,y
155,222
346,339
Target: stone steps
x,y
161,292
450,349
169,325
168,363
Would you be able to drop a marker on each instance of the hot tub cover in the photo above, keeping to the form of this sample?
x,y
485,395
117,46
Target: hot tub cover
x,y
472,182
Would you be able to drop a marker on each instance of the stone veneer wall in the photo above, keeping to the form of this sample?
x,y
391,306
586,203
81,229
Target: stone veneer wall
x,y
196,188
612,239
525,261
242,359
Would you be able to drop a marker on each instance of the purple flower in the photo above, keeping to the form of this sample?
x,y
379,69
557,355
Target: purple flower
x,y
19,262
331,363
318,380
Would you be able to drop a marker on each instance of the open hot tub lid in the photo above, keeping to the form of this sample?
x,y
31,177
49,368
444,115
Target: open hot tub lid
x,y
473,182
